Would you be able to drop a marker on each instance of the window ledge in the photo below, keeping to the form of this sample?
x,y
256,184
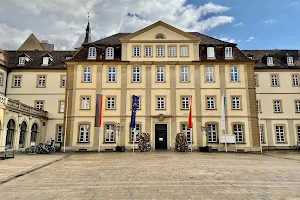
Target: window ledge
x,y
108,142
275,85
160,81
228,58
278,112
83,142
211,109
110,108
212,142
211,58
91,58
111,81
210,81
160,109
281,142
84,109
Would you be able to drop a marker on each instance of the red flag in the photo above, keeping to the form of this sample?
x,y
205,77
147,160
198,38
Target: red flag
x,y
99,110
190,123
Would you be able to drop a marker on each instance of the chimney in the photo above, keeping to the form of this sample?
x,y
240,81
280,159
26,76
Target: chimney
x,y
44,41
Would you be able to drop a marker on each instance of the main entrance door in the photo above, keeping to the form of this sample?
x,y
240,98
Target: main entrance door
x,y
161,136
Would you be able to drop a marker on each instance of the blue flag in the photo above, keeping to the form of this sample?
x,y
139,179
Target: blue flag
x,y
135,101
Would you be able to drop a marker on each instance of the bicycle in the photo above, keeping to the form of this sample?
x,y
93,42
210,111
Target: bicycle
x,y
297,147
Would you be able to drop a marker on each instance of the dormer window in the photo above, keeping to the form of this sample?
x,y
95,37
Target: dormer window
x,y
21,60
270,61
290,60
160,36
109,53
228,52
47,59
68,57
92,53
211,53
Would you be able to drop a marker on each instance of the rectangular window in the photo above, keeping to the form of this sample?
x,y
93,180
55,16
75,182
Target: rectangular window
x,y
136,74
298,131
85,103
261,132
210,103
160,74
39,105
137,133
86,74
236,103
234,74
84,132
41,81
187,131
63,81
297,104
209,74
136,51
290,60
258,107
109,53
59,134
110,103
184,51
274,80
92,52
295,80
280,133
256,80
1,79
185,103
61,106
212,134
172,51
160,51
16,81
211,53
109,133
148,51
238,132
270,61
160,103
184,75
228,52
21,60
111,74
277,106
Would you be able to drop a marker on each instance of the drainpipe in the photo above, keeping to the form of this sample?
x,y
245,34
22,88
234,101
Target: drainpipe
x,y
6,83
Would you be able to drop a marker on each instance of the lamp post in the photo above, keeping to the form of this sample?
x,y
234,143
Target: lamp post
x,y
118,128
205,130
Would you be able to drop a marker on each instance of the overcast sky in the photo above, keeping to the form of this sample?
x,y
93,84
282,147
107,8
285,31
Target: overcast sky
x,y
63,22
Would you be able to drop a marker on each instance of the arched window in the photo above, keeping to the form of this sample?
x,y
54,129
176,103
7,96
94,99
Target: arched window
x,y
160,36
109,55
23,129
92,53
10,133
34,132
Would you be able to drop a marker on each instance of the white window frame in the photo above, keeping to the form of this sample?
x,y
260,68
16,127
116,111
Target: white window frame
x,y
39,105
274,80
46,61
160,51
236,103
295,79
84,133
277,106
137,133
1,79
136,74
234,74
297,106
22,60
298,131
109,53
41,81
160,103
110,103
261,132
61,106
212,135
148,51
184,74
112,74
160,74
187,131
85,103
136,51
290,60
238,132
59,133
17,81
270,61
228,52
210,103
172,51
209,74
63,81
109,137
256,80
211,53
92,53
184,51
185,103
86,74
280,133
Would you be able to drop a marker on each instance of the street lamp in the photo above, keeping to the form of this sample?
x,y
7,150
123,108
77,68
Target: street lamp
x,y
118,128
206,130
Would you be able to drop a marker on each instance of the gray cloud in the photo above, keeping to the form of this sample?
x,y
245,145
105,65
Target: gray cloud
x,y
63,22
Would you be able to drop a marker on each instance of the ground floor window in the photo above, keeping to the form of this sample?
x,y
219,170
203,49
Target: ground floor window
x,y
238,132
261,129
212,135
23,129
33,135
137,133
280,133
298,131
109,133
84,132
59,134
187,131
10,133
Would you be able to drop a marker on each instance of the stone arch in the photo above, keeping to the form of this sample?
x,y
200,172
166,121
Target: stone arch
x,y
23,130
34,131
10,133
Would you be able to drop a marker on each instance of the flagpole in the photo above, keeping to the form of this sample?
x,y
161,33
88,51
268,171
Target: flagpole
x,y
260,133
223,120
99,140
65,135
134,137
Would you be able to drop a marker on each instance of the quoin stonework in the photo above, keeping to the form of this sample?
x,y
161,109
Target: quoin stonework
x,y
162,65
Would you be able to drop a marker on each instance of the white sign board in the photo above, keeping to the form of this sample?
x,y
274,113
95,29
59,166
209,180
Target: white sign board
x,y
161,139
230,139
